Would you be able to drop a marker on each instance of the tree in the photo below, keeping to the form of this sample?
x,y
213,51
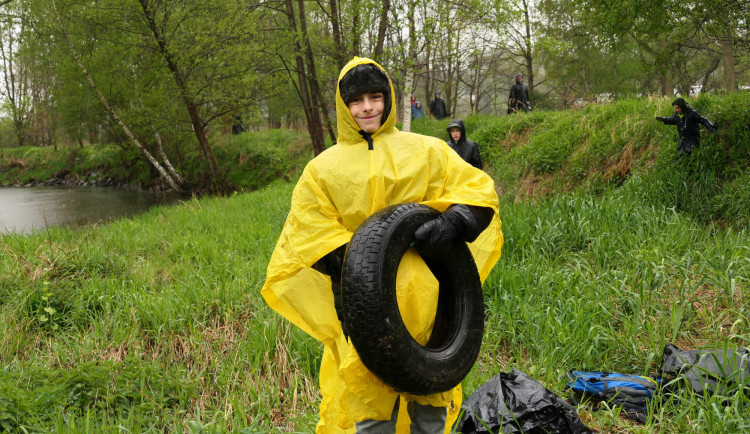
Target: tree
x,y
518,25
14,73
173,179
172,68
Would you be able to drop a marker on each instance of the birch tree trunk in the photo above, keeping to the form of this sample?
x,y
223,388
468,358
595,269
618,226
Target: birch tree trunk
x,y
406,106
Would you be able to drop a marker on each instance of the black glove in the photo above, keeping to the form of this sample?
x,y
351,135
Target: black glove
x,y
457,223
332,263
659,118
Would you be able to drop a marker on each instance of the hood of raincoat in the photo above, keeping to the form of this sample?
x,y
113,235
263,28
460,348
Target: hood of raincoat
x,y
348,130
460,124
518,78
336,192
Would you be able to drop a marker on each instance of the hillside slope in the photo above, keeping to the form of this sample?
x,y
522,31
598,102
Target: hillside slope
x,y
543,154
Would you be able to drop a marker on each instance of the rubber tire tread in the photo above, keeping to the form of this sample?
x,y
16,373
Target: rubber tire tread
x,y
371,315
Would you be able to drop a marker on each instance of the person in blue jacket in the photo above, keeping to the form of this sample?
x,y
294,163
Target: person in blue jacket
x,y
416,111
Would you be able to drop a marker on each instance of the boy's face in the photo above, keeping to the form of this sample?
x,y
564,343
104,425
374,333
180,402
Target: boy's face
x,y
456,134
367,110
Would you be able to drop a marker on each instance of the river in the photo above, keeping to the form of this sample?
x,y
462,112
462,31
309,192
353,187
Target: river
x,y
24,210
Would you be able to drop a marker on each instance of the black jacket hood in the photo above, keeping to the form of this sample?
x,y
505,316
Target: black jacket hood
x,y
680,102
460,124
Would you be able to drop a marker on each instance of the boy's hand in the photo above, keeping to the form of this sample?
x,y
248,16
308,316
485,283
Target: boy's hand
x,y
436,236
459,222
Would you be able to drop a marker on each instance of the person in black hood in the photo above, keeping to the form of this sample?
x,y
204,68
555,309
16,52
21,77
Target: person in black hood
x,y
688,123
437,107
467,149
518,100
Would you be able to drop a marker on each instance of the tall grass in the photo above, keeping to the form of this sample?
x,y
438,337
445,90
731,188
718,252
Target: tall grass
x,y
152,323
155,323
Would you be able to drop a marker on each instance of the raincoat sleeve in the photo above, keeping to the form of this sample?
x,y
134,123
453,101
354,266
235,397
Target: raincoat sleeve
x,y
313,228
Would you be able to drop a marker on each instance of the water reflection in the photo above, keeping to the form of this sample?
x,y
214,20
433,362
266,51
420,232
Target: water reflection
x,y
29,209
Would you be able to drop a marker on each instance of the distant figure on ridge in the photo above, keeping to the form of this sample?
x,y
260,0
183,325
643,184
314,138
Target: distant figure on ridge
x,y
518,100
238,127
437,107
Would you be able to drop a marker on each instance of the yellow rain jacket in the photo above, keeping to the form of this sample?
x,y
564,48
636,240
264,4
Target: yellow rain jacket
x,y
336,192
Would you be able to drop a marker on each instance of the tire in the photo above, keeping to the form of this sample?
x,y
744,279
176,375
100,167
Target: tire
x,y
372,319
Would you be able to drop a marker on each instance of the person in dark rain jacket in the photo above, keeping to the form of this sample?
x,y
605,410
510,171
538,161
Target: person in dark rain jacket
x,y
465,148
437,107
688,123
518,100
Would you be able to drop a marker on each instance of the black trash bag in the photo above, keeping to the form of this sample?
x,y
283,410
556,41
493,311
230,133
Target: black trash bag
x,y
516,403
706,371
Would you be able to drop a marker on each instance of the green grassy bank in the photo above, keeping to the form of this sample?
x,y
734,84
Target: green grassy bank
x,y
247,162
155,323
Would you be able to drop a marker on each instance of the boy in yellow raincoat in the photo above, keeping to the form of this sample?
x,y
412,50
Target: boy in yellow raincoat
x,y
374,166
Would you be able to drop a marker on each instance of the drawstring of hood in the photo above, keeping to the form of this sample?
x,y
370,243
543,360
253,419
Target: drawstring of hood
x,y
368,138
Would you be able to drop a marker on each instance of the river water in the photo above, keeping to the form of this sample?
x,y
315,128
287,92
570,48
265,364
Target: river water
x,y
24,210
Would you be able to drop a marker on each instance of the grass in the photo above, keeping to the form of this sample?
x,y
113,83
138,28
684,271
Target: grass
x,y
155,323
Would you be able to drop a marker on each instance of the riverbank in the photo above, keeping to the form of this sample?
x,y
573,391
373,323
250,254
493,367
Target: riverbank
x,y
249,161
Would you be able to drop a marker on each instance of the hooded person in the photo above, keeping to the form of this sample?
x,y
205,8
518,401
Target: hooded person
x,y
467,149
518,100
416,111
437,107
688,123
373,166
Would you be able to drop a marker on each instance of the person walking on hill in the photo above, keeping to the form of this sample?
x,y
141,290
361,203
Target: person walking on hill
x,y
467,149
688,123
518,100
373,166
437,107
